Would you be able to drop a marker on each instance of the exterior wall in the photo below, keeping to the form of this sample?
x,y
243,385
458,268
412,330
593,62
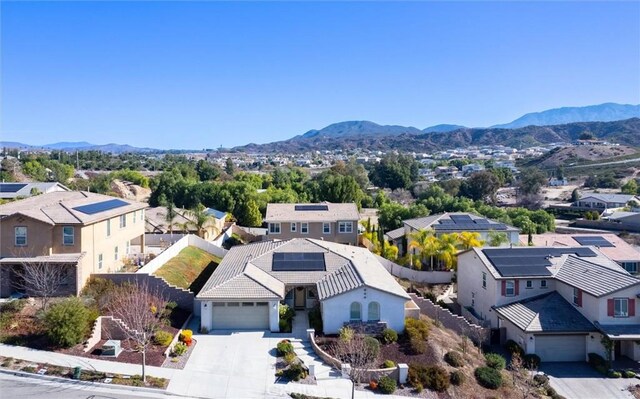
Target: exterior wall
x,y
174,250
336,310
315,231
520,337
206,319
418,276
39,237
274,316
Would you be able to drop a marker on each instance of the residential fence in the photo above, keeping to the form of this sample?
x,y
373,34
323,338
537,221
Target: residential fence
x,y
174,250
478,334
417,276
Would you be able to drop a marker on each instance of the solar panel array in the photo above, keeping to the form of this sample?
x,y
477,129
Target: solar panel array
x,y
529,261
311,208
595,241
92,209
466,222
11,187
298,262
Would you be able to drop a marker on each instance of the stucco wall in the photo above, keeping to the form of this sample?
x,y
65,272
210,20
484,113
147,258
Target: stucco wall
x,y
336,310
418,276
315,231
174,250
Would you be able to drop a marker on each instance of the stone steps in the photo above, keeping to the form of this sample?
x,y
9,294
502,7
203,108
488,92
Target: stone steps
x,y
305,353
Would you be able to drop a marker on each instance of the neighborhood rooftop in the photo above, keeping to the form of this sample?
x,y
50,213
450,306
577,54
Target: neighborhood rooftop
x,y
324,212
609,244
456,222
14,190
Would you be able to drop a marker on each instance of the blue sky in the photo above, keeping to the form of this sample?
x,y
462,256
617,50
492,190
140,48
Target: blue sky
x,y
205,74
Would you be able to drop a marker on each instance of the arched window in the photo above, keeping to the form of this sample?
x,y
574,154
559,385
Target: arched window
x,y
374,312
356,311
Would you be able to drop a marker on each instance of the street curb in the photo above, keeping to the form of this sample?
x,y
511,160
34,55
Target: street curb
x,y
24,374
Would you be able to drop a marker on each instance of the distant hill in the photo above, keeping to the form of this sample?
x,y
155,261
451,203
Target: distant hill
x,y
594,113
359,128
625,132
442,128
82,146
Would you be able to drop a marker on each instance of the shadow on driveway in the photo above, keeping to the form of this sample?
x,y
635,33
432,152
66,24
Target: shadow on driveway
x,y
577,380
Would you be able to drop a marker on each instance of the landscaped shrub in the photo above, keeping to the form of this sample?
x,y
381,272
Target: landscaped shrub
x,y
295,372
13,306
432,377
387,385
286,312
513,347
315,319
179,349
598,362
389,335
488,377
67,322
186,336
346,334
419,326
284,326
289,357
495,361
541,379
614,374
373,345
388,364
531,361
456,377
417,344
454,358
162,338
283,347
628,374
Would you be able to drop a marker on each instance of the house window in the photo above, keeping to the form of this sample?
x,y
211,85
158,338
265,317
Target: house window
x,y
510,288
484,280
128,248
355,313
543,283
274,228
294,227
304,228
123,221
529,284
115,253
374,311
621,307
576,296
67,235
345,227
21,236
108,227
326,228
631,267
311,294
100,261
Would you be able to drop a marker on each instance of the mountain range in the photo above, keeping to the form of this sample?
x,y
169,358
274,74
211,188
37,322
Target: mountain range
x,y
79,146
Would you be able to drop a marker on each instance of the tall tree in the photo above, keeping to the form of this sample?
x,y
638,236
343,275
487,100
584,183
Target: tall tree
x,y
42,280
200,219
427,244
470,239
481,186
229,167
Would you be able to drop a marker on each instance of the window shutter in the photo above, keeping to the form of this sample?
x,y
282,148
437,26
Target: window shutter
x,y
632,307
504,288
516,284
609,307
580,298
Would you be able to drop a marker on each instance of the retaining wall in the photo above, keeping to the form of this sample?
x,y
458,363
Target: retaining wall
x,y
417,276
172,251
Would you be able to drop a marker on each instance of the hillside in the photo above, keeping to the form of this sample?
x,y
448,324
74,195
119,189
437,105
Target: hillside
x,y
625,132
81,146
359,128
569,156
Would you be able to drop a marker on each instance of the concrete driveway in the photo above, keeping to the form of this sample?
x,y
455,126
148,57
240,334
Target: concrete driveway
x,y
228,365
579,381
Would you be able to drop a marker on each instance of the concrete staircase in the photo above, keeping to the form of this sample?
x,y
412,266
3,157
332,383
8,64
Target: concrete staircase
x,y
305,352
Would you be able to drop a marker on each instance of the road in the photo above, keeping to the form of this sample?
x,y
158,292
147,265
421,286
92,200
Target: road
x,y
13,387
603,163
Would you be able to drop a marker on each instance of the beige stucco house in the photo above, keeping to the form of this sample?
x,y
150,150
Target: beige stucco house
x,y
324,221
84,232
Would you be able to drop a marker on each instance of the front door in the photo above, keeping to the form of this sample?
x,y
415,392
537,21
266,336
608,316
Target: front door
x,y
299,298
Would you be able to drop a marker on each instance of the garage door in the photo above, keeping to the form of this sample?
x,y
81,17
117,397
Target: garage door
x,y
561,348
240,316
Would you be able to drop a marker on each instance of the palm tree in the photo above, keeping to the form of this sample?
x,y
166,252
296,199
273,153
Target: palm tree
x,y
448,249
171,214
497,238
470,239
425,242
199,219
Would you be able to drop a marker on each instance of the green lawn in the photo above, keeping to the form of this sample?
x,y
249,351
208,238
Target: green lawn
x,y
190,269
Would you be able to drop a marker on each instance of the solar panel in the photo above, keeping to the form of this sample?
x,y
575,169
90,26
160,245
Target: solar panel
x,y
446,221
482,221
511,262
92,209
11,187
461,218
595,241
298,261
311,208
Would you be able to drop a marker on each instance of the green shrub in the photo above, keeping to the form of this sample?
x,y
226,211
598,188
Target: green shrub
x,y
99,289
13,306
283,347
540,379
315,319
284,326
456,377
162,338
286,312
373,345
418,387
417,345
67,322
488,377
28,369
289,357
628,374
513,347
388,364
171,305
495,361
387,385
295,372
346,334
179,349
389,335
454,358
614,374
531,361
432,377
417,326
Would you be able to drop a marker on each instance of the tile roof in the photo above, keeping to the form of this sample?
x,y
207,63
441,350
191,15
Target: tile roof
x,y
621,250
594,278
451,222
58,207
346,268
334,213
545,313
616,198
395,234
13,190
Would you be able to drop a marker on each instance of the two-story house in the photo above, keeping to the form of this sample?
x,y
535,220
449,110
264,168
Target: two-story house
x,y
556,302
324,221
456,222
83,232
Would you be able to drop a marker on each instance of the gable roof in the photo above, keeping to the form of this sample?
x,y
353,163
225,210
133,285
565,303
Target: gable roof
x,y
13,190
59,207
333,212
616,198
457,221
545,313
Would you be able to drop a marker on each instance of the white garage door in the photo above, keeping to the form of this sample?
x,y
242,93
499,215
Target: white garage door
x,y
240,316
561,348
